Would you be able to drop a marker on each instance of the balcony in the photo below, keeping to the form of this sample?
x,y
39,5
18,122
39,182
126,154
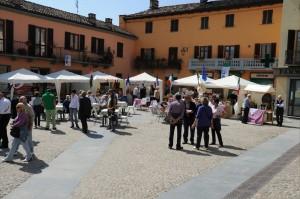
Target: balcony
x,y
163,63
57,54
292,57
234,64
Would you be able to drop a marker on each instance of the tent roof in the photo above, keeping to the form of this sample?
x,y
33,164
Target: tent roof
x,y
193,81
97,75
24,76
67,76
260,88
231,82
143,77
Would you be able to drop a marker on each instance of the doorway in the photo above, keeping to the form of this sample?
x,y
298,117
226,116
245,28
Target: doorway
x,y
294,98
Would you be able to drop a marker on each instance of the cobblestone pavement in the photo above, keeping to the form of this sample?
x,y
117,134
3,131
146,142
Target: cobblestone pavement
x,y
48,145
139,165
285,185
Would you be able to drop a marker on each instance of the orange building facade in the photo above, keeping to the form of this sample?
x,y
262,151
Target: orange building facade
x,y
180,39
47,40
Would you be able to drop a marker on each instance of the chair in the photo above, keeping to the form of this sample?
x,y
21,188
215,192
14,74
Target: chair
x,y
123,115
154,107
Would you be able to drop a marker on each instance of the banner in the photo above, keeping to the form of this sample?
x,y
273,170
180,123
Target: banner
x,y
256,116
225,72
68,60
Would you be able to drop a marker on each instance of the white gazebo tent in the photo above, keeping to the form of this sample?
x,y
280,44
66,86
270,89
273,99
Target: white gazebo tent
x,y
99,77
232,82
147,79
65,76
193,81
23,76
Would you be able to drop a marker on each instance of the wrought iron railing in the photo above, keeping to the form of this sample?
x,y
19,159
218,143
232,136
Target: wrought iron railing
x,y
292,57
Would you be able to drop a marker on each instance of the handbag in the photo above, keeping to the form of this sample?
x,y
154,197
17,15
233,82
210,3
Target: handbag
x,y
15,132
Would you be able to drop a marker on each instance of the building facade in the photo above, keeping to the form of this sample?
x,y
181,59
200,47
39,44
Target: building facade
x,y
288,72
47,40
180,39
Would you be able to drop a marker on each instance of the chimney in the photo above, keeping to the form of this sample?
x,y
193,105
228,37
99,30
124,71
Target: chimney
x,y
92,18
203,1
108,21
18,2
154,4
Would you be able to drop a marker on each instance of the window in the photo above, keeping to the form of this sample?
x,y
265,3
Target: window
x,y
229,20
97,46
1,36
204,22
202,52
267,17
261,50
173,54
148,27
229,52
74,41
120,47
148,53
40,42
174,25
119,75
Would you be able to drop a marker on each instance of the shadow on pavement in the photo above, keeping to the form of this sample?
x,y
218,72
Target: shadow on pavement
x,y
194,152
94,135
58,132
290,127
35,166
118,132
216,151
233,147
35,143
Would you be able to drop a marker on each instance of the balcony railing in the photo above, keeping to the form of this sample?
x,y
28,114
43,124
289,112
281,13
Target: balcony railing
x,y
235,64
157,63
57,54
292,57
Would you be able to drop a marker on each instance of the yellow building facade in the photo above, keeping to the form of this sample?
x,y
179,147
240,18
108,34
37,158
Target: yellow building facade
x,y
180,39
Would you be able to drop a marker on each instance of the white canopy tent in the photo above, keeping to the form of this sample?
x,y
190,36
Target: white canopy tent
x,y
23,76
148,79
193,81
99,77
65,76
260,88
231,82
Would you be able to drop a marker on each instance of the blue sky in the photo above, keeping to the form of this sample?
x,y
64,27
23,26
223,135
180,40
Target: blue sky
x,y
107,8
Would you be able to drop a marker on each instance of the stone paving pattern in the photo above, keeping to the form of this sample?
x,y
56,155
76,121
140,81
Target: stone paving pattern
x,y
285,185
139,165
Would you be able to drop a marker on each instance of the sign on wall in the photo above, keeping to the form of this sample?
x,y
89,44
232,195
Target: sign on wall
x,y
68,60
225,72
262,75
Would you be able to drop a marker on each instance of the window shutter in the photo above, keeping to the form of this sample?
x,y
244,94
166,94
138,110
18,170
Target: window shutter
x,y
209,52
9,36
101,46
291,40
237,51
82,43
142,53
152,53
273,50
196,52
50,42
93,45
67,40
31,39
220,52
257,51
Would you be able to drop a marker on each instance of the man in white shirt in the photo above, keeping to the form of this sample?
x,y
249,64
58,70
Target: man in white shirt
x,y
135,92
74,107
5,110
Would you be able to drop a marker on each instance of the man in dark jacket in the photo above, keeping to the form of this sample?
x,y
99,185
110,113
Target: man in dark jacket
x,y
189,118
84,111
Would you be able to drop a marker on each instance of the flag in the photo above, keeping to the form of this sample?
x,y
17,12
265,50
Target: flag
x,y
157,81
198,78
76,4
204,75
239,86
91,78
170,81
127,81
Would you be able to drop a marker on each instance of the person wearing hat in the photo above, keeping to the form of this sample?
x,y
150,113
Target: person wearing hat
x,y
49,105
279,110
176,114
189,117
246,106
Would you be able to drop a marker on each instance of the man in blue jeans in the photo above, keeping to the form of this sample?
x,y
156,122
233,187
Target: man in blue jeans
x,y
73,108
